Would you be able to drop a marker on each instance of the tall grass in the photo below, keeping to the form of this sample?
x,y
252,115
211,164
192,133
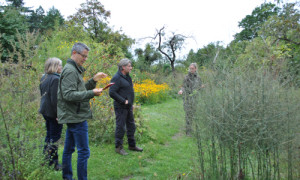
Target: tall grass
x,y
247,126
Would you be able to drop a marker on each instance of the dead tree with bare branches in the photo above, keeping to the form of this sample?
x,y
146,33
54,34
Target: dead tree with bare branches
x,y
168,46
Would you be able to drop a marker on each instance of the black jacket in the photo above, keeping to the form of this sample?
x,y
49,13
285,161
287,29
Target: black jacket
x,y
122,90
48,90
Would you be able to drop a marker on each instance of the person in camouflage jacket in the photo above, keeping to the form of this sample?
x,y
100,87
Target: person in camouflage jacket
x,y
190,88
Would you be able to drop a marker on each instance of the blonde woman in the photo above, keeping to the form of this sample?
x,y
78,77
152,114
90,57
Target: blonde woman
x,y
191,85
48,108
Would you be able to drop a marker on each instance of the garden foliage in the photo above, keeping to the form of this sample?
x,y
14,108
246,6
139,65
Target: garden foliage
x,y
247,125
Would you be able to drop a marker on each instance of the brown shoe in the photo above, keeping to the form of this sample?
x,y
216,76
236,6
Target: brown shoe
x,y
121,151
135,149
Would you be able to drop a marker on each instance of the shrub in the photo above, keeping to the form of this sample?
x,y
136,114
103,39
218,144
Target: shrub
x,y
21,130
149,92
250,121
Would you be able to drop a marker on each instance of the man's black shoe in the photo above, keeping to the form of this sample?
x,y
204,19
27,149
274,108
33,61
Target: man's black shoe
x,y
121,151
135,149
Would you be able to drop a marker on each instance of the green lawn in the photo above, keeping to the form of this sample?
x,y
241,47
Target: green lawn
x,y
170,154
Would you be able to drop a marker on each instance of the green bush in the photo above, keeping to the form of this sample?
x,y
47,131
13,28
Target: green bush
x,y
22,128
250,122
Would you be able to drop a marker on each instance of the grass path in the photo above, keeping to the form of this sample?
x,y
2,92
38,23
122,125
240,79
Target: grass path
x,y
170,154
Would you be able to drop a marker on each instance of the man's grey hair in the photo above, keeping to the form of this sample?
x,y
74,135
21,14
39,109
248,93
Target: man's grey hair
x,y
123,62
79,47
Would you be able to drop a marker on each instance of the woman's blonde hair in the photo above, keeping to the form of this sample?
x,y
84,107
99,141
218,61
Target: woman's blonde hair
x,y
51,65
195,65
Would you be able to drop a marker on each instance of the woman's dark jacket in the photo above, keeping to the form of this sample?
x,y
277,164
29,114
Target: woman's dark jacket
x,y
48,90
122,90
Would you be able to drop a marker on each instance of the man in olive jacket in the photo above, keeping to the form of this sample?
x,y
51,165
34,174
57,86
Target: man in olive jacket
x,y
73,109
123,94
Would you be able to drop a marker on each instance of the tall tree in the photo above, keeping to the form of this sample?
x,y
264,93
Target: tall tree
x,y
169,46
285,26
16,3
206,55
36,19
147,56
53,19
12,21
284,30
251,24
94,18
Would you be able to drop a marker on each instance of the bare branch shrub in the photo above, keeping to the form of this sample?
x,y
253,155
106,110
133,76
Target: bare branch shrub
x,y
247,123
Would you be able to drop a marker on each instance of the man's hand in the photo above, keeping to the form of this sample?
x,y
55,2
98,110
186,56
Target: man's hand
x,y
99,76
97,92
126,101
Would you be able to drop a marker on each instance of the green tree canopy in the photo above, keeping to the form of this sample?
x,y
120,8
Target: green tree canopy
x,y
36,19
53,19
41,22
94,18
146,57
284,26
206,55
12,22
251,24
16,3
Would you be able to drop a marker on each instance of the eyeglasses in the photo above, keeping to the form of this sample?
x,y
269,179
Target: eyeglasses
x,y
84,56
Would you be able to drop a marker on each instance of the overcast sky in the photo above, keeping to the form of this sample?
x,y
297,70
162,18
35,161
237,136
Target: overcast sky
x,y
205,20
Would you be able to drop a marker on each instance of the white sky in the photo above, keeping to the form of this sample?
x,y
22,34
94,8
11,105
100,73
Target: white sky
x,y
205,20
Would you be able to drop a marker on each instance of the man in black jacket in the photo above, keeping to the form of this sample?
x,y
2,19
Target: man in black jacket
x,y
123,94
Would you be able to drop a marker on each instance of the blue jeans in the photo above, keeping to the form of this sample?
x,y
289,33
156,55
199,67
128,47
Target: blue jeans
x,y
76,135
53,130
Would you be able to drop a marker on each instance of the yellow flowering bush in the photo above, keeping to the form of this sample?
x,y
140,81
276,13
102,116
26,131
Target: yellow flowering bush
x,y
103,82
149,92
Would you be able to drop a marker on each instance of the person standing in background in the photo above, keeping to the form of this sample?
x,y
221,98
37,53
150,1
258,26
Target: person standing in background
x,y
191,85
48,108
122,93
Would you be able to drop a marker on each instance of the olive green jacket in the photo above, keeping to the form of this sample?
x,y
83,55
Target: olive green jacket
x,y
191,83
73,95
191,86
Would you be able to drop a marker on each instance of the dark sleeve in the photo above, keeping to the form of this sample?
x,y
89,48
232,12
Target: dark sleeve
x,y
90,84
113,91
53,93
40,86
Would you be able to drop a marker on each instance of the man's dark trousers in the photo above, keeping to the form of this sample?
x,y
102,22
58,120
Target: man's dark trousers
x,y
124,121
